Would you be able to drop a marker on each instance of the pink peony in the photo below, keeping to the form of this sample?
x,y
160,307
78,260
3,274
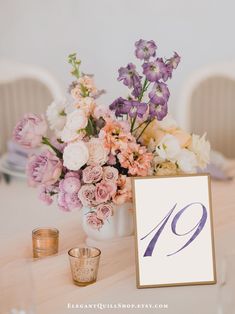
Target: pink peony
x,y
94,221
29,131
68,198
136,159
46,193
87,194
70,184
69,201
104,211
44,168
110,174
104,191
92,174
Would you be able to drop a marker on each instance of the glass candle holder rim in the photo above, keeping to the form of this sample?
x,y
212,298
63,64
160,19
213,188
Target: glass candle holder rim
x,y
84,247
47,232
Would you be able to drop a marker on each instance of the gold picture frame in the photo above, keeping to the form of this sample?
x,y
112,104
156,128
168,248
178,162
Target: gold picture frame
x,y
212,242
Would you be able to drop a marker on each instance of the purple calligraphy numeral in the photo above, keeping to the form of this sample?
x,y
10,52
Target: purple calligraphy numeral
x,y
152,243
199,226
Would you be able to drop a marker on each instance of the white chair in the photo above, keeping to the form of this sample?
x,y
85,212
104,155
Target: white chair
x,y
23,88
207,104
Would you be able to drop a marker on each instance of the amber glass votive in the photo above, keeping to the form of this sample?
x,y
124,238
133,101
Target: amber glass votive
x,y
84,262
45,241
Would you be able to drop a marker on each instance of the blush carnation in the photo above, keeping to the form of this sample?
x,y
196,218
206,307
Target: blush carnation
x,y
92,174
44,168
29,131
98,154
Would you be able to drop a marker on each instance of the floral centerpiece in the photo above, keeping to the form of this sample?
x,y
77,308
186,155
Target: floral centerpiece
x,y
94,151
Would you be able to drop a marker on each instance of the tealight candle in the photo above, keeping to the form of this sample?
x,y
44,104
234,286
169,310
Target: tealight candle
x,y
84,262
45,241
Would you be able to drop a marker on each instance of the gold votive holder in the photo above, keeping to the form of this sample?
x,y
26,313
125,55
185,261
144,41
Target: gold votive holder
x,y
84,262
45,242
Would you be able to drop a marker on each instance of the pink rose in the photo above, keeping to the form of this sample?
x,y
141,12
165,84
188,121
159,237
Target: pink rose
x,y
103,211
44,168
29,131
110,174
92,174
124,192
104,191
87,194
94,221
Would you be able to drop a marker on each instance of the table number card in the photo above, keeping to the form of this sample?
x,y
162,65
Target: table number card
x,y
174,231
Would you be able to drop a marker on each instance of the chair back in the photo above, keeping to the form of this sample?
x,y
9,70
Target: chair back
x,y
23,88
208,105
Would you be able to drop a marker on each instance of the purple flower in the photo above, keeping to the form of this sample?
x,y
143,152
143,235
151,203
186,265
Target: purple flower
x,y
159,111
137,108
175,60
154,70
129,75
171,65
120,106
159,94
145,49
44,168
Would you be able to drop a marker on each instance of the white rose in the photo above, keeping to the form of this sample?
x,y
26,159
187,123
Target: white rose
x,y
187,162
201,148
76,122
98,154
56,115
168,148
75,155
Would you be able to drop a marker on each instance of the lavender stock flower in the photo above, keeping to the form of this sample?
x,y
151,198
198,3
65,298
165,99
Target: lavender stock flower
x,y
137,109
145,49
154,70
121,106
171,64
159,111
159,94
129,75
133,108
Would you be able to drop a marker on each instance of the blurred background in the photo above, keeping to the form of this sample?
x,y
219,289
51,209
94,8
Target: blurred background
x,y
36,38
103,34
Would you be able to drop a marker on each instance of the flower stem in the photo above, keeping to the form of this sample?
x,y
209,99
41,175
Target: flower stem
x,y
46,141
141,133
144,89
